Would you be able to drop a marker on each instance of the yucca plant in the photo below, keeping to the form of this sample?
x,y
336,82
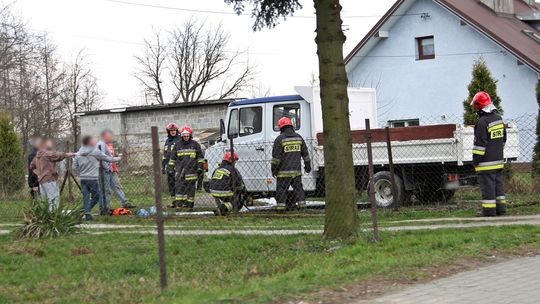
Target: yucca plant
x,y
40,223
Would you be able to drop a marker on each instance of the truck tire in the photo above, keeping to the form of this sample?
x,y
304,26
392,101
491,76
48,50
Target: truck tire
x,y
430,195
382,182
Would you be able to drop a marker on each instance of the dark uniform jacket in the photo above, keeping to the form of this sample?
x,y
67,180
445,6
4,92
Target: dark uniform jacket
x,y
166,161
188,158
32,177
221,184
489,140
287,153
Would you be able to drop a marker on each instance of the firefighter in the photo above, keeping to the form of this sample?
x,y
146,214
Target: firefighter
x,y
167,163
488,154
287,153
227,186
188,158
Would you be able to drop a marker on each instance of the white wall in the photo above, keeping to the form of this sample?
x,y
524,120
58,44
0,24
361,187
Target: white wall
x,y
415,89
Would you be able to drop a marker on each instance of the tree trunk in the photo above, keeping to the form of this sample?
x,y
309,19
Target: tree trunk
x,y
341,211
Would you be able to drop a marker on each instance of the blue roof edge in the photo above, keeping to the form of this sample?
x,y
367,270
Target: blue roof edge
x,y
266,100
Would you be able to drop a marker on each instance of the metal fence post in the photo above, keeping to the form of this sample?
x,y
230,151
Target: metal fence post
x,y
371,185
159,209
392,172
233,175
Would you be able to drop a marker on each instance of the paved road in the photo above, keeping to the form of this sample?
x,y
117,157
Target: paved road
x,y
513,282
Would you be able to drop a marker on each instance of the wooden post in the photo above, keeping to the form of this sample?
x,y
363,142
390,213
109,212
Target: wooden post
x,y
371,184
392,172
159,209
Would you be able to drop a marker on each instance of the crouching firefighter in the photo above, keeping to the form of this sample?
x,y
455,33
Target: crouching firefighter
x,y
167,162
227,186
187,156
488,154
287,153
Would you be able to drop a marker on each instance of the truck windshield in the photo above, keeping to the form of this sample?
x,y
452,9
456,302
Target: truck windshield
x,y
287,110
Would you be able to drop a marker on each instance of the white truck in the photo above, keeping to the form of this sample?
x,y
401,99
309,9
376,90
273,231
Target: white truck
x,y
430,162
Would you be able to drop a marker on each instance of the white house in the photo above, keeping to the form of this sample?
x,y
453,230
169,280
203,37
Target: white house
x,y
419,56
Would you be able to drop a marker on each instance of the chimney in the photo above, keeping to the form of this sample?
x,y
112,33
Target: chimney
x,y
501,7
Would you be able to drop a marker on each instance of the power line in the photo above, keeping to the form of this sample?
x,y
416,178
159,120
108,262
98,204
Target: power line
x,y
233,13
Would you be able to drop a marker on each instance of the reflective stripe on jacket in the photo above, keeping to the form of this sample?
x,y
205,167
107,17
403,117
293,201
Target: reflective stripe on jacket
x,y
167,151
287,153
222,179
489,140
188,157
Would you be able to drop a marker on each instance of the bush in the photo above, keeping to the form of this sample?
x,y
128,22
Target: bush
x,y
39,222
536,157
481,81
11,158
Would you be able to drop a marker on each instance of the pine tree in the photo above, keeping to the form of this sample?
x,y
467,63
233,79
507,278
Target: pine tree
x,y
11,158
481,81
536,157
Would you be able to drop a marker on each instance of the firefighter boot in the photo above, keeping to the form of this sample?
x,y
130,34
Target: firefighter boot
x,y
501,205
489,208
223,209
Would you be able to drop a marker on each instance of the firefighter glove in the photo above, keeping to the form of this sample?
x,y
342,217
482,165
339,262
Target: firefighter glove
x,y
307,167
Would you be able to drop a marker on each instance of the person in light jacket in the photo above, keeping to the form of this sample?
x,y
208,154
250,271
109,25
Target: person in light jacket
x,y
86,165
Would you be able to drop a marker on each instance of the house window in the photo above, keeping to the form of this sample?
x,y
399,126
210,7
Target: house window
x,y
404,123
425,48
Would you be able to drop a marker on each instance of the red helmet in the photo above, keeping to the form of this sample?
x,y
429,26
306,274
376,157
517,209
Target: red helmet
x,y
186,130
480,101
284,121
172,127
228,156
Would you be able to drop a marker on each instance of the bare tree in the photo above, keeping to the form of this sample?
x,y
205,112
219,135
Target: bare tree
x,y
199,60
80,92
53,77
152,66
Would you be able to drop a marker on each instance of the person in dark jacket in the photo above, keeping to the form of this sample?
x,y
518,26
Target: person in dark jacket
x,y
227,186
287,153
188,158
167,164
488,154
33,182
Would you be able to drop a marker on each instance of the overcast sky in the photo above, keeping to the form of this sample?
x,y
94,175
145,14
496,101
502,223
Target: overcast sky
x,y
112,33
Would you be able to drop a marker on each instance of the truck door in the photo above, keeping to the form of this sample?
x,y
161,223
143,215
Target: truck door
x,y
246,127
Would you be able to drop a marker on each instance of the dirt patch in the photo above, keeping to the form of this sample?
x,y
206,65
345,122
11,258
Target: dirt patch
x,y
368,289
81,251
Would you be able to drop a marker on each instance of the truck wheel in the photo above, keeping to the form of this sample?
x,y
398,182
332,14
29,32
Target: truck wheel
x,y
382,182
434,195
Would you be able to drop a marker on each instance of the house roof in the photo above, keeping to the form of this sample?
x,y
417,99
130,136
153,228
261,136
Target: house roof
x,y
159,107
507,32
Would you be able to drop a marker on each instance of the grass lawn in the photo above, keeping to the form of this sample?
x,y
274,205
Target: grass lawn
x,y
117,268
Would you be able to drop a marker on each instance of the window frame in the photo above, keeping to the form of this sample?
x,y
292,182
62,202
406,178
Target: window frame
x,y
240,120
237,125
420,49
298,117
410,122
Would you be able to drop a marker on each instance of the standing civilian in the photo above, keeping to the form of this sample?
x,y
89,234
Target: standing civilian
x,y
110,175
44,166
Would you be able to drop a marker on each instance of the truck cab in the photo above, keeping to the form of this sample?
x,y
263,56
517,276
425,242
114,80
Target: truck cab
x,y
252,126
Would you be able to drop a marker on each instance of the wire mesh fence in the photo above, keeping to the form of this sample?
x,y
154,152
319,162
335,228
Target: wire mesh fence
x,y
432,165
433,177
